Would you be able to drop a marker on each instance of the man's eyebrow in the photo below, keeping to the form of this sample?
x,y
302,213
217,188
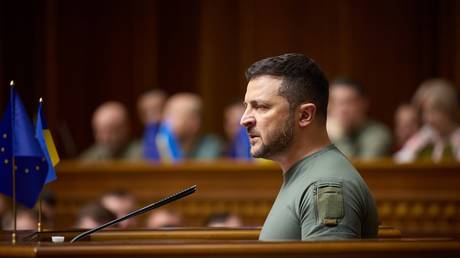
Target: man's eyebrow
x,y
259,101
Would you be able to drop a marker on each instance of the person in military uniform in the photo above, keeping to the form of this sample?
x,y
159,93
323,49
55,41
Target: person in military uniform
x,y
322,195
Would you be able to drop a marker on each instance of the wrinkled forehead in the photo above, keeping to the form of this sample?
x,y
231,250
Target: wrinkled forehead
x,y
264,87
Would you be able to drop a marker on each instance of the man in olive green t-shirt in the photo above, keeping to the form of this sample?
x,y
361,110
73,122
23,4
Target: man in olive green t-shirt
x,y
322,196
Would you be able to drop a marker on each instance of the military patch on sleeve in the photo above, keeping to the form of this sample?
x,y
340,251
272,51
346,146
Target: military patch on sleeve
x,y
329,203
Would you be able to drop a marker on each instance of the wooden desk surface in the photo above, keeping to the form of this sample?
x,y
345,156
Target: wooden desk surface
x,y
185,233
406,248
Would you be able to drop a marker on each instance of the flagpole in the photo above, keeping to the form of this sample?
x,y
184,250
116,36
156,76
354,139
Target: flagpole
x,y
13,236
13,165
39,223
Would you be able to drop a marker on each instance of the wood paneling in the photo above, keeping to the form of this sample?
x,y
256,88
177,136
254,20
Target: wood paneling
x,y
77,54
419,199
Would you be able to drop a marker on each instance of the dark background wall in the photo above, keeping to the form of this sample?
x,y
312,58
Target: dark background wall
x,y
77,54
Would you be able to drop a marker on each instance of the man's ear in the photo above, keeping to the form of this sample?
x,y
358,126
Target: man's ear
x,y
307,113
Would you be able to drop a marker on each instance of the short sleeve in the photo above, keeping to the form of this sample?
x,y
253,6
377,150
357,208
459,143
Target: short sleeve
x,y
327,210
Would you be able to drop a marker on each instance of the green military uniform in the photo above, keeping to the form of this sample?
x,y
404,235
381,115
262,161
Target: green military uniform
x,y
132,151
322,197
372,140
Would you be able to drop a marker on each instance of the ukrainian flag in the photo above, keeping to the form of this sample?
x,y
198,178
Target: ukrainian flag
x,y
45,139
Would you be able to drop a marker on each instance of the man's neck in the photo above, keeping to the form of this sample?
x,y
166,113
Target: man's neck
x,y
301,149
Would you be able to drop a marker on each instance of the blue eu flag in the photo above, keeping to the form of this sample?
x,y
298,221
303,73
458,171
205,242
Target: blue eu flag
x,y
19,147
240,148
149,142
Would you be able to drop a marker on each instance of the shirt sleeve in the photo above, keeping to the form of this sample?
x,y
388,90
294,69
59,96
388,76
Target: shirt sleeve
x,y
330,210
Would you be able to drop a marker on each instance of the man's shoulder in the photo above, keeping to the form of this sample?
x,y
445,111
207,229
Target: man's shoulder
x,y
329,166
332,162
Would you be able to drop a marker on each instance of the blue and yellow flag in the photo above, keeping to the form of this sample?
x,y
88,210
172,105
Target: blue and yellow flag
x,y
20,150
167,144
46,142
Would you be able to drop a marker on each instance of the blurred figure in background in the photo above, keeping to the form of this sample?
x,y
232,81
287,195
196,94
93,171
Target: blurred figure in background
x,y
407,123
238,146
182,120
164,218
26,219
223,220
120,203
112,134
150,107
49,202
3,206
93,215
439,138
358,137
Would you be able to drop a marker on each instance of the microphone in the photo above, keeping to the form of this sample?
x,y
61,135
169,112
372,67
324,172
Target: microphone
x,y
140,211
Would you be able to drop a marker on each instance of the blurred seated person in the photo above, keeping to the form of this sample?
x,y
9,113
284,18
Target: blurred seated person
x,y
3,206
163,218
238,146
357,136
120,203
407,123
26,219
150,108
439,137
49,203
180,135
93,215
223,220
112,134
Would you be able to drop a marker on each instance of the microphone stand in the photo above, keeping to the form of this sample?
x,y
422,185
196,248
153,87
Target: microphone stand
x,y
147,208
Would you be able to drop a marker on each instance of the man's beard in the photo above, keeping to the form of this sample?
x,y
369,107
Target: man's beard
x,y
280,141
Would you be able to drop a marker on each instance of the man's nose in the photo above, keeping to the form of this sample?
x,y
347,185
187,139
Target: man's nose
x,y
247,120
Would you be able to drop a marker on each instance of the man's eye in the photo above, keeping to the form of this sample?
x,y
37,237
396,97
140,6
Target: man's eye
x,y
261,107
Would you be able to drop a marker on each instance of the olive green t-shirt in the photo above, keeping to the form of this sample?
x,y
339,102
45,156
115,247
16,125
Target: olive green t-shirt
x,y
322,197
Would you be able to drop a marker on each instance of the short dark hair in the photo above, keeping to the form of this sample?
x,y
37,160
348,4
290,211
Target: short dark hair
x,y
302,80
355,85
